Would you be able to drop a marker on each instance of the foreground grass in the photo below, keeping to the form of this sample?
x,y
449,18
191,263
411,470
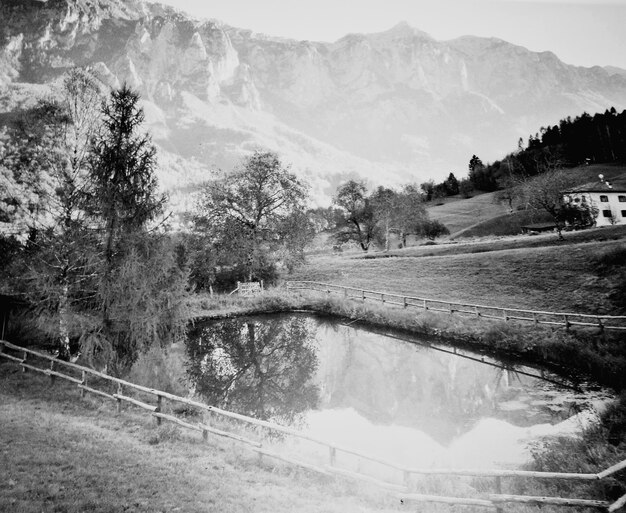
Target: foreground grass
x,y
62,454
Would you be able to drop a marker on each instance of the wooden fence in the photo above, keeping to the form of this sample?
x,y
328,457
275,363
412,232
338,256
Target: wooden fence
x,y
567,320
403,485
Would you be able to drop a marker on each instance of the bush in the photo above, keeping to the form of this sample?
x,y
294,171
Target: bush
x,y
432,229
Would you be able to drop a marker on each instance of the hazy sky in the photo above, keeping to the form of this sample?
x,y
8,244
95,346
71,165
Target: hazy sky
x,y
582,32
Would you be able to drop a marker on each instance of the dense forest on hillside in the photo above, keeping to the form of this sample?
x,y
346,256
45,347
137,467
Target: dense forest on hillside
x,y
585,139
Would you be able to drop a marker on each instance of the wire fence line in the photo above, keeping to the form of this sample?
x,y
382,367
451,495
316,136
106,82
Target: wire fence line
x,y
565,319
402,485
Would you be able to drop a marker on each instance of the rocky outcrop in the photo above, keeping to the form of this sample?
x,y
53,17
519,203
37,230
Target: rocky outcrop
x,y
398,105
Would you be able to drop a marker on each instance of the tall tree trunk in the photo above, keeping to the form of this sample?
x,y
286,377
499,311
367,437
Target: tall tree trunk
x,y
64,332
107,322
387,235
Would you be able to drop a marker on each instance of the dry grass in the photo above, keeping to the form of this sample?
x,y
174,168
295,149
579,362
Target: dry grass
x,y
555,278
62,454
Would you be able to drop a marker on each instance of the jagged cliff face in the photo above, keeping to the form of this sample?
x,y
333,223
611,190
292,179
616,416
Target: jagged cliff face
x,y
396,106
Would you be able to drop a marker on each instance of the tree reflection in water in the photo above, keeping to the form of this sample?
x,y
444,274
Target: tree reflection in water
x,y
263,369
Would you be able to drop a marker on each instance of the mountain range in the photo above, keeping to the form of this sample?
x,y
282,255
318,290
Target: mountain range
x,y
391,107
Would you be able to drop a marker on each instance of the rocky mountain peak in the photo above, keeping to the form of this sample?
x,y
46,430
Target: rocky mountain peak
x,y
403,30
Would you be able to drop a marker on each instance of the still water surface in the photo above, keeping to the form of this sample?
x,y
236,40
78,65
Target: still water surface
x,y
400,399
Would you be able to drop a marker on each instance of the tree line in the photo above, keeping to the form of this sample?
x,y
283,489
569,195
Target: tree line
x,y
371,218
586,139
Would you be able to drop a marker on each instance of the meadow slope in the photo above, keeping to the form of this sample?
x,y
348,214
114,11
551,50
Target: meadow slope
x,y
561,277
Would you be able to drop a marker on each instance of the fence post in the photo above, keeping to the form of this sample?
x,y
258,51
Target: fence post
x,y
332,453
25,357
405,304
567,323
476,312
382,298
406,478
600,325
345,293
450,308
425,307
51,375
119,401
363,295
160,409
84,382
499,491
535,319
506,317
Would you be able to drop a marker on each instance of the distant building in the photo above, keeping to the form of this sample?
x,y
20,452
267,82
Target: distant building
x,y
608,197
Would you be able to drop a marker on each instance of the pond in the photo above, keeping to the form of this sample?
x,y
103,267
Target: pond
x,y
397,398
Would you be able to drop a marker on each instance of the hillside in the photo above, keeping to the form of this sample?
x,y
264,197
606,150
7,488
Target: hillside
x,y
482,216
459,213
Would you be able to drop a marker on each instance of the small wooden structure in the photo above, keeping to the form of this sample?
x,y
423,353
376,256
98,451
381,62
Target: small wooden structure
x,y
250,289
539,228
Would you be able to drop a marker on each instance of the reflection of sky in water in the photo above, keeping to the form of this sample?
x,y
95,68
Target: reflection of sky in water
x,y
413,404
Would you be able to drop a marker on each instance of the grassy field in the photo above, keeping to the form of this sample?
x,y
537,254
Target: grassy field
x,y
532,273
459,214
62,454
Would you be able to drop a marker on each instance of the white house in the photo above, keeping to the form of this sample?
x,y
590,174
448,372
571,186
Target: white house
x,y
608,197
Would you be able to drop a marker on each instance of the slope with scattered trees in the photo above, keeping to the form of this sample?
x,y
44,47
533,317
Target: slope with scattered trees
x,y
585,139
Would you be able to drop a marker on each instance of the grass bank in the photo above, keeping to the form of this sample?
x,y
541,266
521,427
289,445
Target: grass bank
x,y
547,277
582,354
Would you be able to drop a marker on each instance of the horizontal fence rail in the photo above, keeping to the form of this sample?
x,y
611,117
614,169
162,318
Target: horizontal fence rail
x,y
491,501
565,319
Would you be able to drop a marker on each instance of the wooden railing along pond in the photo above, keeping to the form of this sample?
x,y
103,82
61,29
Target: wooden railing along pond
x,y
567,320
403,485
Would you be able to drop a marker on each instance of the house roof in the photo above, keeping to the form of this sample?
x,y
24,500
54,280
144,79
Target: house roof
x,y
598,186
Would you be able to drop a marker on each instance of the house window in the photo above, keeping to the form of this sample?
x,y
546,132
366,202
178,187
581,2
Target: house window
x,y
623,213
576,200
606,213
622,199
604,198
